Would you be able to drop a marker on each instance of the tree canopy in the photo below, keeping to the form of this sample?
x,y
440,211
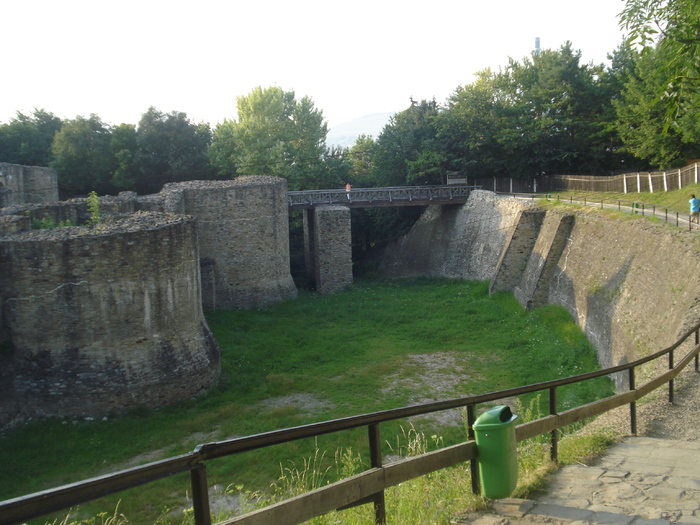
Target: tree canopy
x,y
275,134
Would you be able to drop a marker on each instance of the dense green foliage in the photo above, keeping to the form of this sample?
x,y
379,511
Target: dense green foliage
x,y
545,114
353,352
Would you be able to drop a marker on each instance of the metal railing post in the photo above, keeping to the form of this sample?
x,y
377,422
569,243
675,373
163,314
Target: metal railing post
x,y
200,495
554,450
697,335
633,405
375,455
473,464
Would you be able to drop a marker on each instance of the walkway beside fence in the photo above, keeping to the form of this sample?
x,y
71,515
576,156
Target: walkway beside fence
x,y
640,481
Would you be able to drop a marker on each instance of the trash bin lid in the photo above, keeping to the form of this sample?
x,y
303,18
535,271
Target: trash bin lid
x,y
495,417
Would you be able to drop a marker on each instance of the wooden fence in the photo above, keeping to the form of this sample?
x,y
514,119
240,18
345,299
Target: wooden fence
x,y
368,486
636,182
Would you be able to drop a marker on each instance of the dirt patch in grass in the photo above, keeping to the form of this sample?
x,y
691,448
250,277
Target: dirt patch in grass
x,y
307,404
434,377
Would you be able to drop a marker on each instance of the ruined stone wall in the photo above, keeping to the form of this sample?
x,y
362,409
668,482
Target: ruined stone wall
x,y
104,319
632,286
243,230
26,184
458,241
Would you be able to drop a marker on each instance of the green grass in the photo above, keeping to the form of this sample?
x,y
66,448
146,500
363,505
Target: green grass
x,y
348,353
676,199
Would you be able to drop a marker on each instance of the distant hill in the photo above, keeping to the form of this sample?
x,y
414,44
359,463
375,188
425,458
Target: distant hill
x,y
346,133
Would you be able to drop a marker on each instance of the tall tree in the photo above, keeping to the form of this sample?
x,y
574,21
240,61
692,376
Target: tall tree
x,y
123,148
82,156
642,122
275,134
171,148
27,139
671,25
397,159
553,106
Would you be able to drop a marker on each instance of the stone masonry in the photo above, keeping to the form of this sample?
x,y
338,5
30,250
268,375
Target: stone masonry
x,y
103,319
333,249
26,184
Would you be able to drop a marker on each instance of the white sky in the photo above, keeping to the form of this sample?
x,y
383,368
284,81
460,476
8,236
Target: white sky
x,y
117,58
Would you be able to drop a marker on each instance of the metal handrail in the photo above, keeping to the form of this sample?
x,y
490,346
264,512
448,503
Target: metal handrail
x,y
376,196
654,210
27,507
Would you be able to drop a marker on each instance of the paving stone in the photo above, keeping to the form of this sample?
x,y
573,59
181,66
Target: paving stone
x,y
664,493
612,518
562,512
645,521
619,474
684,483
514,507
645,480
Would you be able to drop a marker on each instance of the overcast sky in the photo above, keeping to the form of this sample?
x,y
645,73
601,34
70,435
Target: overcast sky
x,y
117,58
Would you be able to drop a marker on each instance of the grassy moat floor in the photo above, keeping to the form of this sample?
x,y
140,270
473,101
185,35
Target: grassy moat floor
x,y
378,345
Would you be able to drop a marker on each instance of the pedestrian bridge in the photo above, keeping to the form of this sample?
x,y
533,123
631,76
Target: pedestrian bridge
x,y
378,197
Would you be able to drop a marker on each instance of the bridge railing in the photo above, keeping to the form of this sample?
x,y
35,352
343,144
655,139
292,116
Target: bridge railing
x,y
400,194
367,486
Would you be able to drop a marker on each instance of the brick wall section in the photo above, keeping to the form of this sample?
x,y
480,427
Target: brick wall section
x,y
533,290
333,249
243,227
105,319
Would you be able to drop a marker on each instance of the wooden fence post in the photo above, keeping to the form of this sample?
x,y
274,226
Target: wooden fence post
x,y
670,383
375,454
200,495
633,405
554,451
473,464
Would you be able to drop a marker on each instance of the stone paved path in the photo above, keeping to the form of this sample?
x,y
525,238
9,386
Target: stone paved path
x,y
640,481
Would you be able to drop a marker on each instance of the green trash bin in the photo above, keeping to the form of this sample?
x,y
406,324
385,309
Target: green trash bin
x,y
494,431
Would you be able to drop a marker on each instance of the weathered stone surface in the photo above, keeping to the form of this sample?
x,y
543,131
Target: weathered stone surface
x,y
333,254
613,276
105,319
461,242
243,228
21,184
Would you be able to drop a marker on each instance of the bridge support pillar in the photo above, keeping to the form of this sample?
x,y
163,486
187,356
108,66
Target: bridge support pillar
x,y
327,248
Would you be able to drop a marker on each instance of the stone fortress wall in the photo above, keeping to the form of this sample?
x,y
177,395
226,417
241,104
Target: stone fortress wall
x,y
103,319
22,184
633,286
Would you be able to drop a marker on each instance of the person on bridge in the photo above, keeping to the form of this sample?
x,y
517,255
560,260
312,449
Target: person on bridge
x,y
348,187
694,208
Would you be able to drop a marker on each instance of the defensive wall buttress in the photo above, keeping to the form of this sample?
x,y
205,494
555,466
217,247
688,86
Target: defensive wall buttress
x,y
633,286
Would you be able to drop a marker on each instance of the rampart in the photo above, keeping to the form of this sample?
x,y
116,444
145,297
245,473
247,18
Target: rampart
x,y
100,319
632,286
26,184
104,319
